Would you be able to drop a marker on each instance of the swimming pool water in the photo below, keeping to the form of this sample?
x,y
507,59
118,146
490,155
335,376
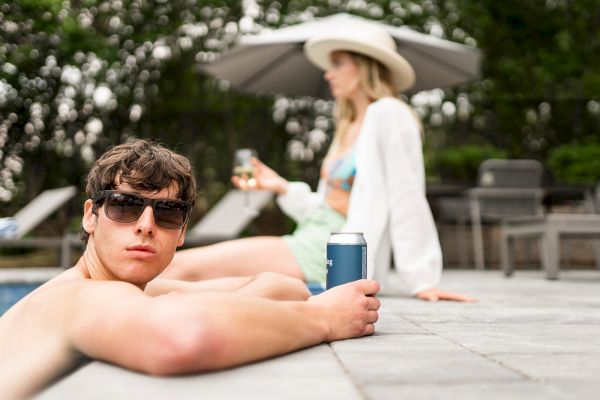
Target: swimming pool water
x,y
10,293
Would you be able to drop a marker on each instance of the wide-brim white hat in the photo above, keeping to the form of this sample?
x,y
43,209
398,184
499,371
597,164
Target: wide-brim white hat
x,y
362,38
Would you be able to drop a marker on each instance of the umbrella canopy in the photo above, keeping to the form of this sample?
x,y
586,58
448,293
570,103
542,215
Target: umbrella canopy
x,y
274,62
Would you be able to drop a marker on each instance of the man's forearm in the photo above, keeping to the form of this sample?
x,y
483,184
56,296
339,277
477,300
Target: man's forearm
x,y
209,331
191,332
249,329
233,329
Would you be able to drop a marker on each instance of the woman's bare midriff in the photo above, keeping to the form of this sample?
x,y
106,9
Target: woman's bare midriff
x,y
338,199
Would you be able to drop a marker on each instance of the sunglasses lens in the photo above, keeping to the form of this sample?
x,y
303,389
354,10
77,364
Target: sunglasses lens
x,y
123,207
170,214
127,207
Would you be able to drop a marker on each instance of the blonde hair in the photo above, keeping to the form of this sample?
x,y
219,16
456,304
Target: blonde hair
x,y
376,81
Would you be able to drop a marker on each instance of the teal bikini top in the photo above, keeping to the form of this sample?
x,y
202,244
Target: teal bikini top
x,y
341,172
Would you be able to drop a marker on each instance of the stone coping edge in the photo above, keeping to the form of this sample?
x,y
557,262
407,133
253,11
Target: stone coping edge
x,y
28,275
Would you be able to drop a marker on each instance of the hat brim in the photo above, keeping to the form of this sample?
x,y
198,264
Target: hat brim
x,y
319,51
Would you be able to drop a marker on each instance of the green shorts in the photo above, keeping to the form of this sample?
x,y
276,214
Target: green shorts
x,y
308,243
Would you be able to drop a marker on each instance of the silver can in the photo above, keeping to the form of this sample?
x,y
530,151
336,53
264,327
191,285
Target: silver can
x,y
346,258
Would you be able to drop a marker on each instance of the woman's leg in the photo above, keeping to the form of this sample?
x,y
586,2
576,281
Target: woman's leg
x,y
240,257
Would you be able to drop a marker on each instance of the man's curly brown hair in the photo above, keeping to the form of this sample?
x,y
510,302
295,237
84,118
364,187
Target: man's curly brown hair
x,y
145,166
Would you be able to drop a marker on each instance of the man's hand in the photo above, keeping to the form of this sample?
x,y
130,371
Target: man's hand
x,y
435,294
349,310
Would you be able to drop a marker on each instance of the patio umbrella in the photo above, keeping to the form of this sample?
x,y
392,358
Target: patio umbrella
x,y
273,61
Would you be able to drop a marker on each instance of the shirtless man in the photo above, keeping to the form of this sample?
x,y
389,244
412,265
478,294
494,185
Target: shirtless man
x,y
109,306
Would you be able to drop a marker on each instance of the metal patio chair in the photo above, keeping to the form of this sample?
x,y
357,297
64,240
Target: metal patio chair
x,y
505,188
549,229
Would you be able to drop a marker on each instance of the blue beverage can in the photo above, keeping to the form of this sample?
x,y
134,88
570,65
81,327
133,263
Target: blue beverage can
x,y
346,258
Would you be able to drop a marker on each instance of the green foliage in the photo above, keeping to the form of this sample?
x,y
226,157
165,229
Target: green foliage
x,y
540,86
78,77
460,164
576,163
541,83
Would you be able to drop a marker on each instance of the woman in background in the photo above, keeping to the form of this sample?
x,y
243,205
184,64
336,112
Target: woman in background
x,y
372,181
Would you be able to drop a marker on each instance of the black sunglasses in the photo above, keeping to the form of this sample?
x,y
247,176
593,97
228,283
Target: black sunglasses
x,y
127,207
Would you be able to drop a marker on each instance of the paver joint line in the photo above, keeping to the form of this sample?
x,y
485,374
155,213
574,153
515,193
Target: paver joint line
x,y
359,389
484,356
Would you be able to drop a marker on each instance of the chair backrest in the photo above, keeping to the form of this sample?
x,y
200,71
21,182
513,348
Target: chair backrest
x,y
41,207
228,218
510,188
510,174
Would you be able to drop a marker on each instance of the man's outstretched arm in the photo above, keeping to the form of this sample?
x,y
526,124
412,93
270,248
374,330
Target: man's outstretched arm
x,y
191,332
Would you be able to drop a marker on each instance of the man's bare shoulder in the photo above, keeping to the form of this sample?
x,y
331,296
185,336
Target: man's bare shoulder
x,y
59,296
47,324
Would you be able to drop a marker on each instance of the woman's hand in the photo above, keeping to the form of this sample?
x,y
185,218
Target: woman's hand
x,y
435,294
265,178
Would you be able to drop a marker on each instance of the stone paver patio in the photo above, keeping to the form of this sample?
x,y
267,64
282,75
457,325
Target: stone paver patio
x,y
527,338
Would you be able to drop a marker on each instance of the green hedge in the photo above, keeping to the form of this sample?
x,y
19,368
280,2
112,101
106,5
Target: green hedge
x,y
577,163
460,163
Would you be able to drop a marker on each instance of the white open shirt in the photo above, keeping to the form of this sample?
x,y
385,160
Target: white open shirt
x,y
387,201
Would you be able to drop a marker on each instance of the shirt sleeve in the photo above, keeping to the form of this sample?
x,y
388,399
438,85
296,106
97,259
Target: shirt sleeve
x,y
300,200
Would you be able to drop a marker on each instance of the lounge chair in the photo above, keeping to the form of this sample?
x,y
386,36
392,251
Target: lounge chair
x,y
45,204
30,216
228,218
